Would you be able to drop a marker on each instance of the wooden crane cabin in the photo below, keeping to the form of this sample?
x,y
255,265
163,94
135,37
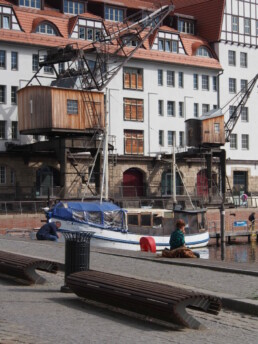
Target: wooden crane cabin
x,y
206,131
48,110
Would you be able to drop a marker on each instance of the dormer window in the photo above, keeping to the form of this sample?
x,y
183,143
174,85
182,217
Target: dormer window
x,y
114,14
5,21
203,52
168,45
30,3
186,26
89,33
47,29
73,7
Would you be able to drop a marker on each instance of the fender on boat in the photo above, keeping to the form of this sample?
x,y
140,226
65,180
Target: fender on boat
x,y
148,244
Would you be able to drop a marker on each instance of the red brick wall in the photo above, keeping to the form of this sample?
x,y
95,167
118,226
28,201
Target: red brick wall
x,y
24,221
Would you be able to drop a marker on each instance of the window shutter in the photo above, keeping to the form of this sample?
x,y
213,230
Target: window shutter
x,y
133,81
126,80
140,82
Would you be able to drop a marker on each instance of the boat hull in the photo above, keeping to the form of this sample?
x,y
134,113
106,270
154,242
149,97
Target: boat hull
x,y
108,238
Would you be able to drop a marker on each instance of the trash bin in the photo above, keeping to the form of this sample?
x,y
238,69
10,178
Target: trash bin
x,y
77,253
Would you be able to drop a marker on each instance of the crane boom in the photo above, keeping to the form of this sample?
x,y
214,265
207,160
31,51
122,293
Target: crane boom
x,y
98,62
244,95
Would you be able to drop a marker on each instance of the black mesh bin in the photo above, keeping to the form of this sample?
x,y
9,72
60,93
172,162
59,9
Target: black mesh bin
x,y
77,252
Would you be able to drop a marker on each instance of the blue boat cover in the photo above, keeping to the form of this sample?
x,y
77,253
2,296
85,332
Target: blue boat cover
x,y
92,206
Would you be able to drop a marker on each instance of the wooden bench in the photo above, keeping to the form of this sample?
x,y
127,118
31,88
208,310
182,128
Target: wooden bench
x,y
153,299
23,267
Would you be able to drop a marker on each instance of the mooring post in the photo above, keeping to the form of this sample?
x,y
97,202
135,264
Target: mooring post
x,y
222,223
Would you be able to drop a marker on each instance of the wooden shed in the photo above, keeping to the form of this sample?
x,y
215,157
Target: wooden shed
x,y
207,130
50,110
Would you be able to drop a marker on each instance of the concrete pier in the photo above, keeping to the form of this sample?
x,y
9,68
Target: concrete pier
x,y
42,314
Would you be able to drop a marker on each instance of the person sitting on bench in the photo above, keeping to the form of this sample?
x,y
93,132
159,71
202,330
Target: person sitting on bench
x,y
49,231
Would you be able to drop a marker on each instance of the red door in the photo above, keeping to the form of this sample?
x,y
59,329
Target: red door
x,y
132,183
202,183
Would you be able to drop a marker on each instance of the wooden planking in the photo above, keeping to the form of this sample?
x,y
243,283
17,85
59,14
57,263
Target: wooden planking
x,y
50,109
208,132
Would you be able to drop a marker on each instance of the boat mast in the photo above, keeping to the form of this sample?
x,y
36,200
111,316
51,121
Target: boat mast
x,y
105,150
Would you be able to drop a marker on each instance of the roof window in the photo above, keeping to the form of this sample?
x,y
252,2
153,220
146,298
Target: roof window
x,y
203,52
30,3
73,7
47,29
186,26
114,14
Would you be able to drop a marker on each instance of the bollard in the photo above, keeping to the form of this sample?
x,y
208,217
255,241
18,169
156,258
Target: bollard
x,y
77,253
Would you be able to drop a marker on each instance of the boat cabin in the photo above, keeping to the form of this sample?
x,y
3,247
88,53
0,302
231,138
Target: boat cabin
x,y
163,221
49,110
207,130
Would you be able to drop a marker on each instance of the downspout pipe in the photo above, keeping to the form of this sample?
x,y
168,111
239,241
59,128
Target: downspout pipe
x,y
218,93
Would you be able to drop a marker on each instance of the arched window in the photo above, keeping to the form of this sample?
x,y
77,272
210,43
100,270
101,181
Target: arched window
x,y
202,51
47,29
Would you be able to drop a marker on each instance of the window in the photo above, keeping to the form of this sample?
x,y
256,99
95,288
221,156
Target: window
x,y
205,82
245,141
46,29
160,108
14,60
243,60
232,85
233,141
214,83
196,110
232,109
160,77
133,78
171,108
203,52
5,21
73,7
244,114
171,136
181,139
2,59
89,33
181,109
243,85
168,45
14,90
133,109
14,130
247,26
195,82
30,3
134,142
114,14
35,62
2,174
170,78
12,176
2,129
61,67
234,24
48,70
72,107
180,79
185,26
161,137
205,108
216,128
231,58
2,94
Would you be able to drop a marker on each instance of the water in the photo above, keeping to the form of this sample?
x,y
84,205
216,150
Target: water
x,y
240,253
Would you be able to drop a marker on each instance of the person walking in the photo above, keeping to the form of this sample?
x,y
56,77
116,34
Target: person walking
x,y
49,231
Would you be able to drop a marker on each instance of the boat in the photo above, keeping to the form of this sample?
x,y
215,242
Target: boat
x,y
118,228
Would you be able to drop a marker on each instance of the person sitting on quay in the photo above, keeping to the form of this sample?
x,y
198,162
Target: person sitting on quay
x,y
49,231
177,239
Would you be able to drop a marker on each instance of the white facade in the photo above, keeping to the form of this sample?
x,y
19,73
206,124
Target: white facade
x,y
152,93
238,44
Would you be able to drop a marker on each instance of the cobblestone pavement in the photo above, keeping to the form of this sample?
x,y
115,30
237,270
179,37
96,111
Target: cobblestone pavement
x,y
42,314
